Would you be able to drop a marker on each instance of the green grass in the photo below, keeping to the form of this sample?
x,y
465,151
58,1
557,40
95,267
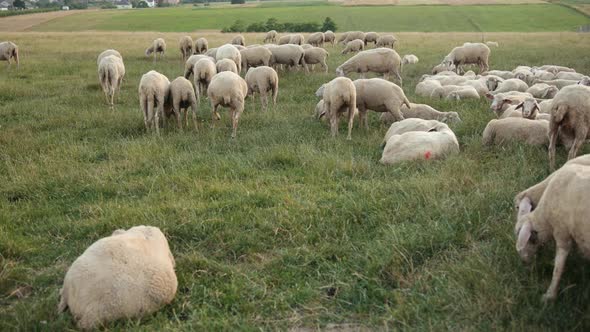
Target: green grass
x,y
526,18
284,226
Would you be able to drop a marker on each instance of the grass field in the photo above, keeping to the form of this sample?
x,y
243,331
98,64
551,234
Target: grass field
x,y
528,18
284,227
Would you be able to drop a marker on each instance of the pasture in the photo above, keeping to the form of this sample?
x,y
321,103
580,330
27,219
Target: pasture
x,y
283,227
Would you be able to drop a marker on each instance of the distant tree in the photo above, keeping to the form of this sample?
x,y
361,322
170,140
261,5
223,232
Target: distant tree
x,y
20,4
272,24
238,2
329,24
142,4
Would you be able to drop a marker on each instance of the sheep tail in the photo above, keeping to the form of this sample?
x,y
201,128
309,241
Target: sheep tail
x,y
406,102
559,113
226,100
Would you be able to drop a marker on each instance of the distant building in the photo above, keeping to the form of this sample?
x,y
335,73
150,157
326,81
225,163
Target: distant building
x,y
123,4
170,2
150,3
5,5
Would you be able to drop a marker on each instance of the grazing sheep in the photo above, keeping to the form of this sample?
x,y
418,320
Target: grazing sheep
x,y
329,37
9,51
570,117
106,53
422,111
204,71
354,46
565,75
379,95
316,39
320,111
371,37
512,84
352,35
239,47
158,47
561,215
378,60
201,46
263,80
285,39
228,90
238,40
182,97
560,84
111,72
228,51
186,47
226,65
385,41
154,89
297,39
342,38
306,46
469,53
290,55
339,96
504,74
316,55
409,59
465,93
271,37
126,275
543,91
190,63
441,68
255,56
212,52
491,43
426,87
504,131
438,142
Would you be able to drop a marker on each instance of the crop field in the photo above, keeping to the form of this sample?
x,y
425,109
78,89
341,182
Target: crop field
x,y
283,227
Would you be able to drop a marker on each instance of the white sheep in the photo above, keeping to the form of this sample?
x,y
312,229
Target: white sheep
x,y
320,111
316,39
502,101
126,275
111,72
190,63
339,96
426,87
504,131
201,46
9,51
469,53
353,46
386,41
379,95
342,37
154,90
441,68
352,35
479,85
468,92
423,111
186,46
543,91
297,39
212,52
557,69
238,40
271,37
204,70
289,55
585,81
378,60
316,55
409,59
255,56
492,43
371,37
228,89
512,84
158,47
559,83
329,37
504,74
226,65
263,80
565,75
285,39
445,90
107,53
182,96
408,125
229,51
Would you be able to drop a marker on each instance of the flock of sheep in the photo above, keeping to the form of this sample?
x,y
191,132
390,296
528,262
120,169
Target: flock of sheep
x,y
131,273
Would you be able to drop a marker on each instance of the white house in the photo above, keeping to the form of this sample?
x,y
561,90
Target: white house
x,y
123,4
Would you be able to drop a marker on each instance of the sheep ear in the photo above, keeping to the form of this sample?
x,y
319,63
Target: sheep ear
x,y
524,207
490,96
519,105
322,114
524,235
537,106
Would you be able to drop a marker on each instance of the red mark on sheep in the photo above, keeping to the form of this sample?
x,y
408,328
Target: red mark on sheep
x,y
427,155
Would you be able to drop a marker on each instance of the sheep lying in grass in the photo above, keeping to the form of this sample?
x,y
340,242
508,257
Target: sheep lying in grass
x,y
329,37
469,53
316,39
228,89
502,101
425,88
186,47
422,111
238,40
158,47
557,69
468,92
379,60
126,275
507,130
543,91
354,46
201,46
339,96
509,85
504,74
204,71
316,55
585,81
386,41
190,63
463,92
263,80
8,52
111,72
271,37
228,51
408,125
107,53
560,84
379,95
154,89
182,96
409,59
565,75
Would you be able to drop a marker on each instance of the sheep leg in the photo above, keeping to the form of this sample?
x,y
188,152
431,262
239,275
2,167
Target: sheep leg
x,y
581,134
333,118
264,100
144,109
213,114
159,112
194,111
560,258
351,109
553,130
325,66
176,109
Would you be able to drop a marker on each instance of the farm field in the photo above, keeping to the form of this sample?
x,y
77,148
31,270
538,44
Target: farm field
x,y
283,227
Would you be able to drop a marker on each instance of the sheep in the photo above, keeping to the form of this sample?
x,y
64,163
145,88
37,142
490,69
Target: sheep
x,y
320,111
158,47
352,35
492,43
329,37
107,53
183,96
339,96
423,111
543,91
111,72
271,37
128,274
154,89
238,40
406,126
449,80
263,80
529,108
561,215
585,81
228,51
545,106
438,142
316,55
256,56
226,65
9,51
201,46
559,83
212,52
290,55
342,38
386,41
469,53
186,47
512,84
379,95
371,37
285,39
445,90
570,117
502,101
228,89
239,47
190,63
409,59
503,131
465,93
316,39
425,88
479,86
565,75
504,74
557,69
306,46
204,71
354,46
297,39
538,74
378,60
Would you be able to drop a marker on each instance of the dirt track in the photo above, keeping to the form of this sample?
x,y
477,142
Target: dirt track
x,y
23,22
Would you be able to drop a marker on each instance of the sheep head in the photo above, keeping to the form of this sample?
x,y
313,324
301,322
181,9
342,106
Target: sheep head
x,y
529,108
585,81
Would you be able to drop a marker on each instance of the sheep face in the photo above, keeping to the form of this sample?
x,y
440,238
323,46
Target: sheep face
x,y
451,117
492,83
498,101
149,51
528,107
320,91
527,243
339,72
550,92
585,81
454,96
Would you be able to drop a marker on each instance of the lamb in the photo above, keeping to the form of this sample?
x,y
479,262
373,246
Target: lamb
x,y
465,93
504,74
290,55
316,55
297,39
204,71
158,47
379,60
212,52
504,131
9,51
352,35
263,80
128,274
380,96
316,39
183,96
492,43
561,215
339,96
386,41
106,53
154,89
512,84
438,142
354,46
425,88
256,56
371,37
228,51
559,83
186,47
570,117
423,111
469,53
190,63
543,91
409,59
201,46
271,37
285,39
329,37
228,89
238,40
226,65
111,71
